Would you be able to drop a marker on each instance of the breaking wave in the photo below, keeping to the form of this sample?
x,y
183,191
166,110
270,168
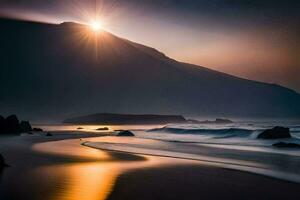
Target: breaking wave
x,y
224,132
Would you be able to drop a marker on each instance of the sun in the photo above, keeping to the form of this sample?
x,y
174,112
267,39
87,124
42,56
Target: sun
x,y
96,26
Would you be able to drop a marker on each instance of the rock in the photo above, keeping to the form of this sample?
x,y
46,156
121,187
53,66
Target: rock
x,y
37,129
2,162
12,124
102,129
2,124
2,121
29,133
25,126
125,134
286,145
80,128
49,135
275,133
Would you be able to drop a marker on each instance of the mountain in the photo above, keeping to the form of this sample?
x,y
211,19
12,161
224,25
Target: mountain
x,y
58,71
119,119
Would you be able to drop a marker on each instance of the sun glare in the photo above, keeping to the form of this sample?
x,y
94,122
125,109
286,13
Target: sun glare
x,y
96,26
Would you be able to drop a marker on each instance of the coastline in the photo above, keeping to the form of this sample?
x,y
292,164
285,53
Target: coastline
x,y
75,171
260,163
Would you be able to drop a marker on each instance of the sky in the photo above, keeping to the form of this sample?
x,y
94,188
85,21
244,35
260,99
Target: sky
x,y
254,39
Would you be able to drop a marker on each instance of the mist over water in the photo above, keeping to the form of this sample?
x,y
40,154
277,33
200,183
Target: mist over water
x,y
241,135
237,135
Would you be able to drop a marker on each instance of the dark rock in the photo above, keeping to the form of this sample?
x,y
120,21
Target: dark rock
x,y
275,133
2,162
37,129
102,129
2,124
25,126
80,128
11,124
30,133
49,135
2,121
125,134
286,145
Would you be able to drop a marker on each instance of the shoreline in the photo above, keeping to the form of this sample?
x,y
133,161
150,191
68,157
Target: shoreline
x,y
238,163
75,171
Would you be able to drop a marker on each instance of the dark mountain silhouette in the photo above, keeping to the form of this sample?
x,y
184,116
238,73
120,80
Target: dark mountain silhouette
x,y
59,71
121,119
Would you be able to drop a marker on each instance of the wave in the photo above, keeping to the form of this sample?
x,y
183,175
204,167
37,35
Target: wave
x,y
224,131
218,132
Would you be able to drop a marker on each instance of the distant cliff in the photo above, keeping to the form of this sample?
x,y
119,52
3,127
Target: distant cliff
x,y
119,119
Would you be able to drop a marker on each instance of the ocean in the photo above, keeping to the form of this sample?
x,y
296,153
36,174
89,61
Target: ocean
x,y
240,135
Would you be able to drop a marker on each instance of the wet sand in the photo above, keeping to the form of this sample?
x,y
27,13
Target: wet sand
x,y
61,168
196,181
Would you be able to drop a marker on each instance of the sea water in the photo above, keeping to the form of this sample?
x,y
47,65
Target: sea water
x,y
238,135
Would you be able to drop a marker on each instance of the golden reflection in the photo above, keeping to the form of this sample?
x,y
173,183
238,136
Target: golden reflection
x,y
92,173
90,181
71,149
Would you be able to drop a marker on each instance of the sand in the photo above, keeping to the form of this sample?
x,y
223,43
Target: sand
x,y
59,167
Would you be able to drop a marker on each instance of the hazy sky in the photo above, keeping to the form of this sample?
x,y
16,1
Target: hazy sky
x,y
255,39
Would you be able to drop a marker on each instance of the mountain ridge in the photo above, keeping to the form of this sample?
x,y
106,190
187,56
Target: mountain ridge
x,y
56,71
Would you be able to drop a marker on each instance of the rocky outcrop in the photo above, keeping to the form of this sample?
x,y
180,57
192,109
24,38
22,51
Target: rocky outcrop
x,y
49,135
286,145
125,134
25,126
11,125
2,122
275,133
37,129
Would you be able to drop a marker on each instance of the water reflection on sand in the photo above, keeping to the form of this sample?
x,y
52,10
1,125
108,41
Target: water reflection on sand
x,y
85,181
88,174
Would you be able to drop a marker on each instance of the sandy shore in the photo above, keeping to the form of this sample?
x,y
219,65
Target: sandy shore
x,y
59,167
194,181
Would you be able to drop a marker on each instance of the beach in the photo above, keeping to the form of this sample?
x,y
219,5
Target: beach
x,y
82,165
149,100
